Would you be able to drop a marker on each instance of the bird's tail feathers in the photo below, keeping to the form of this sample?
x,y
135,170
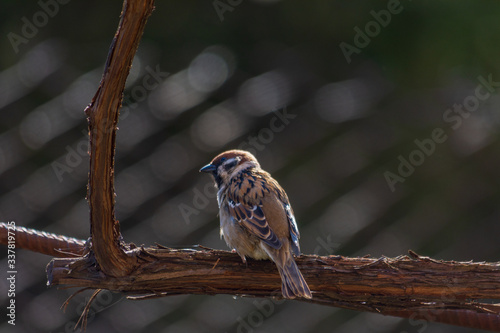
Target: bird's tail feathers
x,y
293,283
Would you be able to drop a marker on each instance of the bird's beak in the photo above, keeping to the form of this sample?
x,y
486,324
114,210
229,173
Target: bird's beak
x,y
208,168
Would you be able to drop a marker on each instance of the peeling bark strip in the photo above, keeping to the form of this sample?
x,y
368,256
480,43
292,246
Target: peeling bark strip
x,y
102,118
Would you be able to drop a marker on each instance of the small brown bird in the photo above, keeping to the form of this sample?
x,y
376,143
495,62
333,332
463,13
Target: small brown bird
x,y
256,219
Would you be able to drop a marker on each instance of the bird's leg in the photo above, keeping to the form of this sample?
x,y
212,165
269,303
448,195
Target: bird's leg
x,y
243,258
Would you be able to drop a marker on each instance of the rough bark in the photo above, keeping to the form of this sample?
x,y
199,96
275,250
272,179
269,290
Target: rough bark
x,y
413,287
103,118
190,271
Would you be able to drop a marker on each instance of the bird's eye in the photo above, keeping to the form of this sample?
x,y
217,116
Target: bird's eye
x,y
230,164
223,160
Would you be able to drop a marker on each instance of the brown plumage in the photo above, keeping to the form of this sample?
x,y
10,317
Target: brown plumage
x,y
256,218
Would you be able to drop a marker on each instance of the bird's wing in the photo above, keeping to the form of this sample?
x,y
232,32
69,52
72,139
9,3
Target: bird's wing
x,y
245,198
292,224
294,231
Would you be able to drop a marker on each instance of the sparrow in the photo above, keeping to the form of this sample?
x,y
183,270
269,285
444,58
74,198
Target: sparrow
x,y
256,219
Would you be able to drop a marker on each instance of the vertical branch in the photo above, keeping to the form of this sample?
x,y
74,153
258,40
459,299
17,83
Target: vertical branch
x,y
103,118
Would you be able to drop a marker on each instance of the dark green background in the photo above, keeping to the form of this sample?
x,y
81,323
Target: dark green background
x,y
353,123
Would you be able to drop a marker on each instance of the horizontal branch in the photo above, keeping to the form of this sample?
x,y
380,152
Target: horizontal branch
x,y
417,287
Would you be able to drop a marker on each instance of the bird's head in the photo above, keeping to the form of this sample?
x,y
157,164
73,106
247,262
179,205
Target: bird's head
x,y
229,164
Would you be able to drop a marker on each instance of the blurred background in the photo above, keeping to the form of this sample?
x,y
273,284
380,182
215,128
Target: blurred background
x,y
379,118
